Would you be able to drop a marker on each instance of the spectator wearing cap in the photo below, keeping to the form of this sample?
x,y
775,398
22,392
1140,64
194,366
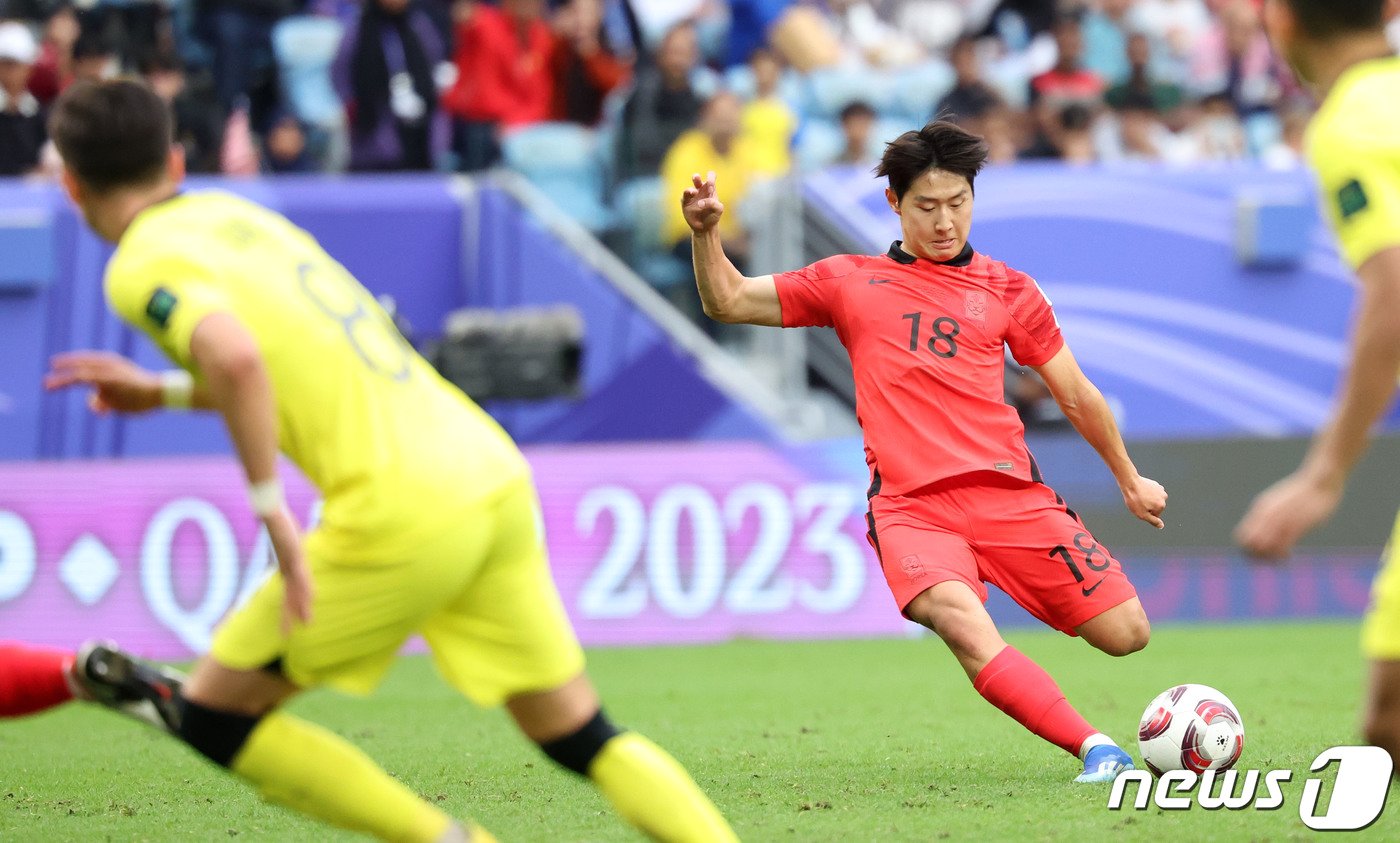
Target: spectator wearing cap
x,y
504,77
22,133
970,97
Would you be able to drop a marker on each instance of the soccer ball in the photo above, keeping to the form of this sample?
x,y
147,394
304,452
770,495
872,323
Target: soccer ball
x,y
1190,727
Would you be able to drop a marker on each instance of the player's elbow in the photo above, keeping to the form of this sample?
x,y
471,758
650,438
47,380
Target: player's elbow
x,y
1076,400
721,312
233,366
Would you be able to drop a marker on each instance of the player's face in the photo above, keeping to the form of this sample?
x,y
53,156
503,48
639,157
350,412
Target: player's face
x,y
935,215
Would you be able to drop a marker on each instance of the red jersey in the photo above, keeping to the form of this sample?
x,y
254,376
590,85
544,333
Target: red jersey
x,y
927,341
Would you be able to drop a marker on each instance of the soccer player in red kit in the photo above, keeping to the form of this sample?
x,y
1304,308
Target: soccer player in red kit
x,y
35,679
956,500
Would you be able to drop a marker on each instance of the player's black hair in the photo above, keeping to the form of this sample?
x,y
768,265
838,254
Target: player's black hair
x,y
1329,18
112,134
940,145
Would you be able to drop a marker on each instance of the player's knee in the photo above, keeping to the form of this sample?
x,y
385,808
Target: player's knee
x,y
1128,638
577,751
217,735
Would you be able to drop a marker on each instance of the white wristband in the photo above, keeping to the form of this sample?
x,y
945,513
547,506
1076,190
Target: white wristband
x,y
267,498
176,389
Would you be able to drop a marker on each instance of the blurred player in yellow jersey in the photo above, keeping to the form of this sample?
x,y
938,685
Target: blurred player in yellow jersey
x,y
430,523
1339,48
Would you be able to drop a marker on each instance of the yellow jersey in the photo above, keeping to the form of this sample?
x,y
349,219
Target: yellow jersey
x,y
396,450
694,152
770,125
1354,145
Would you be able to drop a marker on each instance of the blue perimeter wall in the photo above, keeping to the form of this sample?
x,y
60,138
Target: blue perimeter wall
x,y
1185,338
402,236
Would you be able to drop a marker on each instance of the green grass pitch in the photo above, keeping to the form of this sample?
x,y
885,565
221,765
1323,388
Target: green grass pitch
x,y
814,741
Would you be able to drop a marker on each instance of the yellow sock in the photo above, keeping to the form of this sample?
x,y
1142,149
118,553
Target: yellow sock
x,y
653,792
309,769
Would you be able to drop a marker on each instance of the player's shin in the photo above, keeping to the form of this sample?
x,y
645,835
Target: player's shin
x,y
1024,691
646,785
32,679
304,767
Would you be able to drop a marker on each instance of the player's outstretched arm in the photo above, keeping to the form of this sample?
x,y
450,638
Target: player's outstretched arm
x,y
120,386
241,390
1289,509
728,296
1085,408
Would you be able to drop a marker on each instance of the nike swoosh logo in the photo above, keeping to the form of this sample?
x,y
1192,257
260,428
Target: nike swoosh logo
x,y
1090,590
881,280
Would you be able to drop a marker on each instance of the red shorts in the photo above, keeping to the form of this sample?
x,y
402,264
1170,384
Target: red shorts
x,y
989,528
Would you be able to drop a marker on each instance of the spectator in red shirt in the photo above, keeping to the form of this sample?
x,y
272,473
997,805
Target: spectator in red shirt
x,y
504,78
585,69
1068,81
1065,93
53,72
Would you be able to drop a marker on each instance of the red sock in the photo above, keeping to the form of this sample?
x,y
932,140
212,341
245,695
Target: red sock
x,y
1022,689
32,678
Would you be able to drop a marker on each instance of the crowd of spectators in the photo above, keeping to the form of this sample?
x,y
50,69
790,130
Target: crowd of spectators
x,y
747,88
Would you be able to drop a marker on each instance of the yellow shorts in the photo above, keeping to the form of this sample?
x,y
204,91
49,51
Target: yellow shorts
x,y
1380,631
479,591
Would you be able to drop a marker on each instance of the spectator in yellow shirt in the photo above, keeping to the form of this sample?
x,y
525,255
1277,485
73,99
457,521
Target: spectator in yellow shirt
x,y
716,145
767,120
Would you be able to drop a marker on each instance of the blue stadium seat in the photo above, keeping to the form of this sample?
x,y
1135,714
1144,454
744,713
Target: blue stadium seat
x,y
305,46
818,143
831,89
887,129
564,161
640,213
918,89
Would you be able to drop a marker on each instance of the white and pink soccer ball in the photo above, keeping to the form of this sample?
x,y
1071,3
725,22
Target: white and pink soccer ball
x,y
1190,727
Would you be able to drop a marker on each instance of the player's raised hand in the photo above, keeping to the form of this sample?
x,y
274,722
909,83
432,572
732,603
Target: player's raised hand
x,y
1146,499
1283,513
700,204
118,385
